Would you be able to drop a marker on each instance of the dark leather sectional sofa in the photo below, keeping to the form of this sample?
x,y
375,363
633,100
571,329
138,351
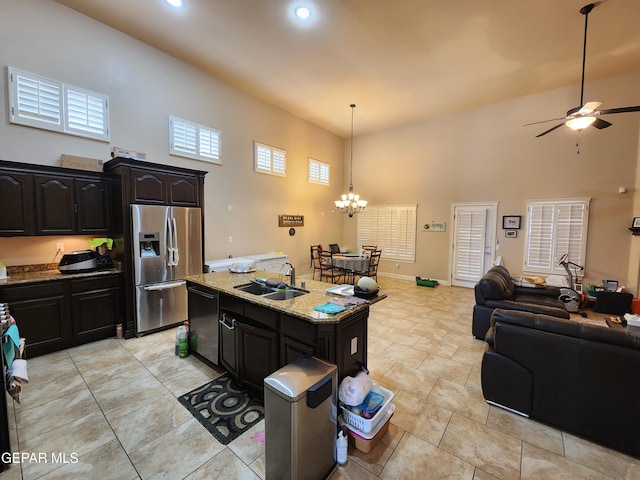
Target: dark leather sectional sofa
x,y
578,377
496,290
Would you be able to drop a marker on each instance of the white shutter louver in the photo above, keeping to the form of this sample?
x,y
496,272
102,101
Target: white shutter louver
x,y
318,172
86,113
192,140
470,244
47,104
553,229
269,160
392,228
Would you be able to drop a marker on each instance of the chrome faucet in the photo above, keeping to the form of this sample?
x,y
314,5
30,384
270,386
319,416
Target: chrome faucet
x,y
291,273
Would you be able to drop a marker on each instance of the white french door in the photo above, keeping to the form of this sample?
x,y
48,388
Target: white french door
x,y
474,239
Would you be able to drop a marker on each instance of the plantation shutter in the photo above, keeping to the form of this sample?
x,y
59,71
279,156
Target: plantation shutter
x,y
192,140
553,229
269,159
87,113
470,240
392,228
35,100
48,104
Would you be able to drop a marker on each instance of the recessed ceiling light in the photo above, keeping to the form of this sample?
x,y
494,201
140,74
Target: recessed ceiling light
x,y
303,12
174,3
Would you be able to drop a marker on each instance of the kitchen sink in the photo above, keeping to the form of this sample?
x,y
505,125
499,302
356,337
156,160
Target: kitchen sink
x,y
285,294
271,292
254,288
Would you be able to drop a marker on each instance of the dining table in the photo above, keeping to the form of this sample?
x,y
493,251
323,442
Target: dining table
x,y
351,263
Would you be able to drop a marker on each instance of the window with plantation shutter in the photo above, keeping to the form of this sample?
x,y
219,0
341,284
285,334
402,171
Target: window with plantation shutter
x,y
270,160
318,172
87,113
392,228
192,140
41,102
554,228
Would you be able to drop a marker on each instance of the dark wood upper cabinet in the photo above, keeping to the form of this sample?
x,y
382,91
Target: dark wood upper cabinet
x,y
93,202
154,184
16,194
148,187
46,200
55,205
183,191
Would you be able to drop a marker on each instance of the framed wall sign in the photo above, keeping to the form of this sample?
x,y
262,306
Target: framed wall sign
x,y
511,222
636,222
511,233
291,220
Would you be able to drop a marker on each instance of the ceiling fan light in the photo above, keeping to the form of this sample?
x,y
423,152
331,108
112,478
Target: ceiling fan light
x,y
580,123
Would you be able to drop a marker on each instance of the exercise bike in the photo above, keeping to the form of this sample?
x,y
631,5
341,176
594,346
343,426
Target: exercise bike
x,y
573,301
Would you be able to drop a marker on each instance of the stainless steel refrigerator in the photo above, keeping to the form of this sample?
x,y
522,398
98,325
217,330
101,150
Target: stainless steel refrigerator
x,y
167,244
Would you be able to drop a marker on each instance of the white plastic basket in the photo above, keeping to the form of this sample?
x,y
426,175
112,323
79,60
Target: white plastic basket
x,y
366,425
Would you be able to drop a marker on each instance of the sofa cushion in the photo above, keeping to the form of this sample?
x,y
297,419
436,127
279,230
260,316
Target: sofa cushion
x,y
497,285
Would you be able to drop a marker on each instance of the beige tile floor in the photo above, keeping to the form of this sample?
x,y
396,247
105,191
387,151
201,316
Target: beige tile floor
x,y
113,404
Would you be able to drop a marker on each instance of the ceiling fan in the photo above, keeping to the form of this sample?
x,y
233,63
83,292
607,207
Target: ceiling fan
x,y
581,117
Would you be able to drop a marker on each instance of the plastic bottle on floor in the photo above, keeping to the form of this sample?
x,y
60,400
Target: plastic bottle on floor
x,y
183,344
341,448
177,348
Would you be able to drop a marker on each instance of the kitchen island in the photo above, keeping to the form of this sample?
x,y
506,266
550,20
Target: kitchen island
x,y
258,335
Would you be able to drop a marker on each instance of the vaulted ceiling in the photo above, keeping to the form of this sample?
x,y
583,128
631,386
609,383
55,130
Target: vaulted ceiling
x,y
400,61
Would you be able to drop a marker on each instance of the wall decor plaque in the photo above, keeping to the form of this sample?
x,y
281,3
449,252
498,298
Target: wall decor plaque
x,y
291,220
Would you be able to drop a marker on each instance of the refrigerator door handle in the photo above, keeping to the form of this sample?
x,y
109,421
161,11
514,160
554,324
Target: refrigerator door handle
x,y
165,286
170,244
176,256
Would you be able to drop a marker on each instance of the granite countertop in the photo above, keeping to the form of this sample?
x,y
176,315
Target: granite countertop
x,y
300,307
22,277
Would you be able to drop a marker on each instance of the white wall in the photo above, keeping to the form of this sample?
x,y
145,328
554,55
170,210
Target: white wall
x,y
480,155
144,86
488,155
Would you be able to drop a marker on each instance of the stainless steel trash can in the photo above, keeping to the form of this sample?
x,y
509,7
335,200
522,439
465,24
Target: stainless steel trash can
x,y
300,403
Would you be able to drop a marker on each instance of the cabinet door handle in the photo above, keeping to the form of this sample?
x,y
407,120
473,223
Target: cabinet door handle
x,y
223,322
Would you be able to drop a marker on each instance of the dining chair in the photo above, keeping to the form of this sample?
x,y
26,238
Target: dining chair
x,y
315,260
372,270
334,248
369,249
327,269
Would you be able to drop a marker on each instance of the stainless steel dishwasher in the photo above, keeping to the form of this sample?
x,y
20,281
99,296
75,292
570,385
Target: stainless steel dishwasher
x,y
203,322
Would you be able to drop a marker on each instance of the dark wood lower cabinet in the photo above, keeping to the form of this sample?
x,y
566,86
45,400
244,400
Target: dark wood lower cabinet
x,y
59,314
257,353
96,308
42,313
255,341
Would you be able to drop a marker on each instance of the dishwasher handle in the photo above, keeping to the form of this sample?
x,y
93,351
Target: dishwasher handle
x,y
223,322
210,296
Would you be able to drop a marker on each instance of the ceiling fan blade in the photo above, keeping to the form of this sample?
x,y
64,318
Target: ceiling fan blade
x,y
544,121
600,123
589,107
621,110
550,130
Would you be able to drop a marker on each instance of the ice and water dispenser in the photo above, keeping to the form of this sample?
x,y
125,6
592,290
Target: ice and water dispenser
x,y
300,420
149,244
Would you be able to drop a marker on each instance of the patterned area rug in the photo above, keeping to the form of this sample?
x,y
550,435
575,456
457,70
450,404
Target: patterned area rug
x,y
224,407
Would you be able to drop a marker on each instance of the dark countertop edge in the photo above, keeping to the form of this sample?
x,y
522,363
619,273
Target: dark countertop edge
x,y
316,296
52,275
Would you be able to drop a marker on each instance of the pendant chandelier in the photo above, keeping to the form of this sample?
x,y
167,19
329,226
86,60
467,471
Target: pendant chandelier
x,y
350,202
